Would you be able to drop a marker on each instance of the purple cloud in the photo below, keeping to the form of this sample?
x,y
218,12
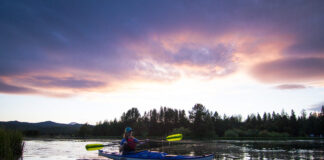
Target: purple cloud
x,y
290,70
290,86
63,82
7,88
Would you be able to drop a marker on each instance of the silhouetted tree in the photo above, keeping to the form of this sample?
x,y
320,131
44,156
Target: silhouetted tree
x,y
85,130
202,123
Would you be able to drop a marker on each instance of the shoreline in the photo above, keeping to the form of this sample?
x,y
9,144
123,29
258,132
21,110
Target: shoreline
x,y
45,138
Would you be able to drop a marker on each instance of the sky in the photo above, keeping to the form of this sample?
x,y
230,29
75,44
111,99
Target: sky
x,y
88,61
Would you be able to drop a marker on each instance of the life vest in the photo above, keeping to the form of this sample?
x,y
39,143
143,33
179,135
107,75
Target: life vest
x,y
131,145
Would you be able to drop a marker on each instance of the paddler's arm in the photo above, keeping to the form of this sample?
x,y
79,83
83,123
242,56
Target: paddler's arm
x,y
122,143
138,141
143,141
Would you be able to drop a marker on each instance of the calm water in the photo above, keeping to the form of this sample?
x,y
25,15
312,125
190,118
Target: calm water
x,y
222,149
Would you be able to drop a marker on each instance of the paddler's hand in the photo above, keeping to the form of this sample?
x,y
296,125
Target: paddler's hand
x,y
144,141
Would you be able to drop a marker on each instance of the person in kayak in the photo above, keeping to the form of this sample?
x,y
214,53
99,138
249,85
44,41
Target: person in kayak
x,y
128,143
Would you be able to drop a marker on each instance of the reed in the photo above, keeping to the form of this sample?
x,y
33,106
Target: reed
x,y
11,144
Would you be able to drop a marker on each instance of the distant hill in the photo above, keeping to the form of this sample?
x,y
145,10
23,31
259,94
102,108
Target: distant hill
x,y
42,128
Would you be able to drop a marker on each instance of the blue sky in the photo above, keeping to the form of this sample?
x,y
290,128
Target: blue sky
x,y
87,61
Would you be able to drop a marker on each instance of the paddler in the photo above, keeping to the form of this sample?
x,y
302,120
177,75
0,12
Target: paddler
x,y
128,143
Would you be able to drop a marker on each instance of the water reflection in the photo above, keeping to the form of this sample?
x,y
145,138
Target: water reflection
x,y
251,149
74,149
59,150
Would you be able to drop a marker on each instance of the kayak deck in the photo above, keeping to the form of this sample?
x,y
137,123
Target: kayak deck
x,y
150,155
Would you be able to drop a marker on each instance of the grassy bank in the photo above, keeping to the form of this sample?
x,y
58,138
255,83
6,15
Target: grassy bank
x,y
11,144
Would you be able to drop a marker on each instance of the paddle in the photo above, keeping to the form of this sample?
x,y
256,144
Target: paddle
x,y
92,147
174,137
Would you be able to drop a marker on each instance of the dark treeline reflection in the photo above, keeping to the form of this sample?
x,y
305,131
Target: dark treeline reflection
x,y
250,149
203,123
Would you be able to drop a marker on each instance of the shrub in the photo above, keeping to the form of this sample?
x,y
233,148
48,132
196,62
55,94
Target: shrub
x,y
184,131
247,133
231,133
276,134
85,130
264,133
11,144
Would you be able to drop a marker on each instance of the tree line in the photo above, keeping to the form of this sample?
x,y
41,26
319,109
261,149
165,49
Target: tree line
x,y
203,123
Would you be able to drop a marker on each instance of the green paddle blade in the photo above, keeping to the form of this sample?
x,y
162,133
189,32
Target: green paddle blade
x,y
92,147
174,137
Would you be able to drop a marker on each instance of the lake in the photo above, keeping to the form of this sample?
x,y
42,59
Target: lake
x,y
222,149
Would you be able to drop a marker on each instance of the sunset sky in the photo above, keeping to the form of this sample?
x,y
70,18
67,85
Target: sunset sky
x,y
86,61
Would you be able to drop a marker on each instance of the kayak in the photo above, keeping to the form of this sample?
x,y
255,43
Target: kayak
x,y
151,155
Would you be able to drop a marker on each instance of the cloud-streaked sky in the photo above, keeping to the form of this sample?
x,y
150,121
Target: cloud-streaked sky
x,y
87,61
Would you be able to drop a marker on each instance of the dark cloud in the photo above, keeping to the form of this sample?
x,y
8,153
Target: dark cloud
x,y
290,70
68,82
290,86
7,88
47,85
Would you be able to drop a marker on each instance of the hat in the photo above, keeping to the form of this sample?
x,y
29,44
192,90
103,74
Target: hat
x,y
128,129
